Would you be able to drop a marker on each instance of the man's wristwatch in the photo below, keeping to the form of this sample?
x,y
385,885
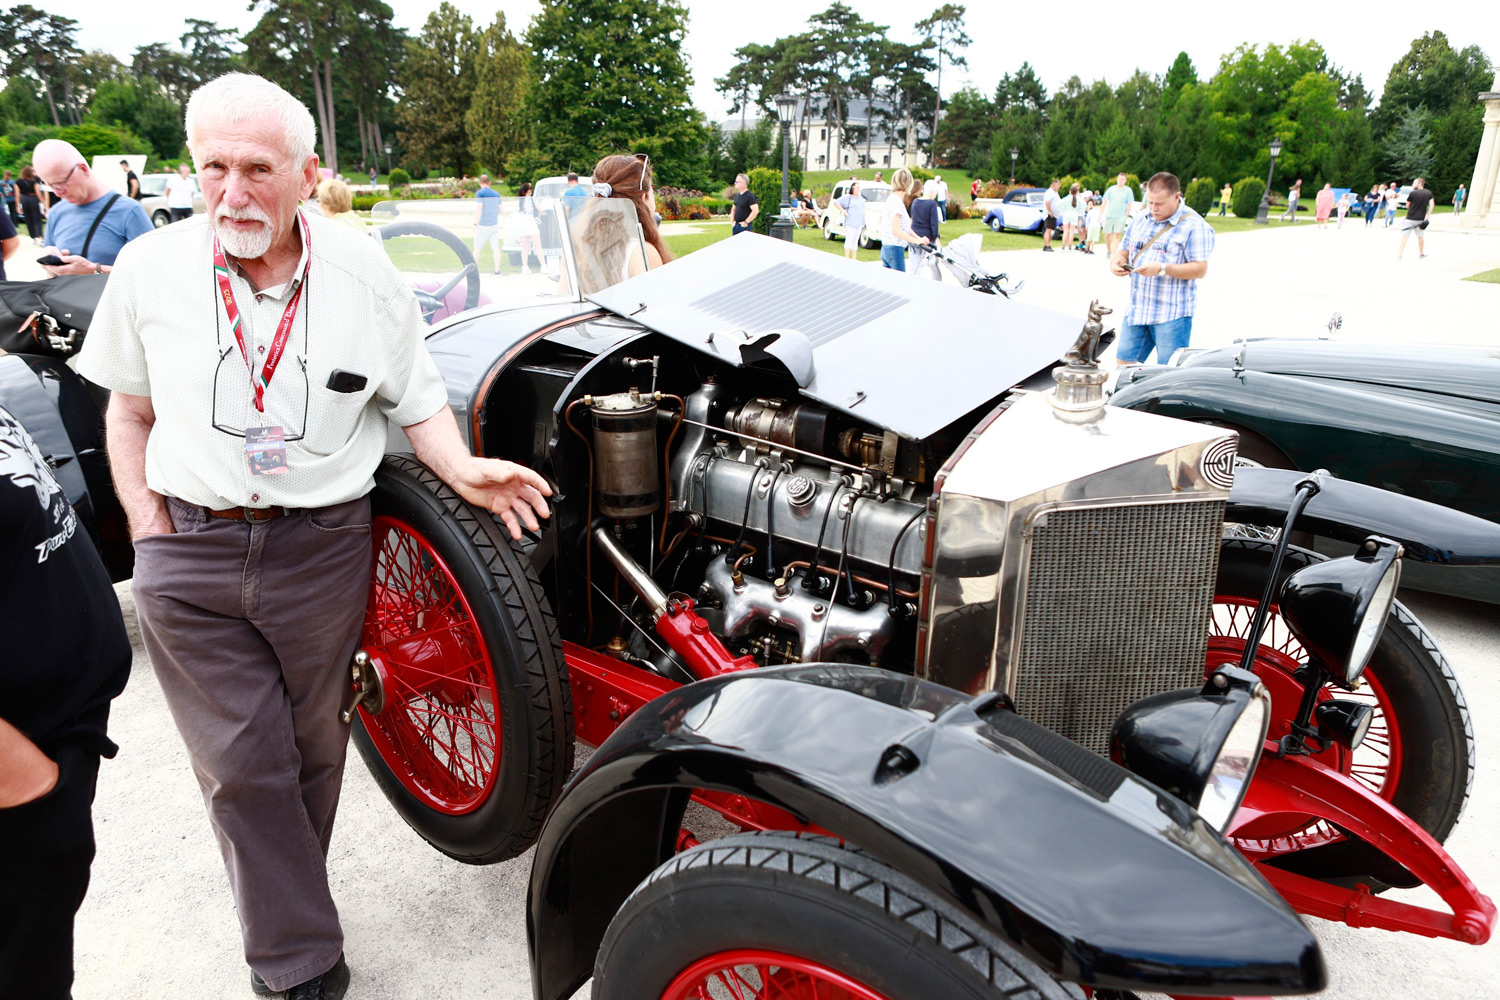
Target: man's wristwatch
x,y
98,268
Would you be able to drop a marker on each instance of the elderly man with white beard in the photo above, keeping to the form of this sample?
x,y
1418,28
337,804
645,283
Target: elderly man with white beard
x,y
257,358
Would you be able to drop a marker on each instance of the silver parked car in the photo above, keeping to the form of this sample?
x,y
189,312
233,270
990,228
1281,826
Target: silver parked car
x,y
154,198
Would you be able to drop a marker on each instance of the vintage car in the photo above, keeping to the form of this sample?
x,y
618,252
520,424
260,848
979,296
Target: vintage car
x,y
831,219
962,651
1421,420
1021,211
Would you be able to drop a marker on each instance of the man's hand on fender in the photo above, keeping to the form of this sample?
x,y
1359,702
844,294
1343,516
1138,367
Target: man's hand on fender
x,y
514,493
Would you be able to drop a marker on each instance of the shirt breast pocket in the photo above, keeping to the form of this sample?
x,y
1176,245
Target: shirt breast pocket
x,y
334,416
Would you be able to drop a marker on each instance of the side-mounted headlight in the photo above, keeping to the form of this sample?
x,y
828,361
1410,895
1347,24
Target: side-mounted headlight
x,y
1338,608
1201,746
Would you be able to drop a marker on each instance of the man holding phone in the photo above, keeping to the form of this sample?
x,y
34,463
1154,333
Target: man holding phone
x,y
85,230
1165,252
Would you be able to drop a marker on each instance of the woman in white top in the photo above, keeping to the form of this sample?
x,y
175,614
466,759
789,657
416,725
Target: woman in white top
x,y
1073,207
904,190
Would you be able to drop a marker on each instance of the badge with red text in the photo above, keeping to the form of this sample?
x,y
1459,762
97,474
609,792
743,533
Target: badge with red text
x,y
266,449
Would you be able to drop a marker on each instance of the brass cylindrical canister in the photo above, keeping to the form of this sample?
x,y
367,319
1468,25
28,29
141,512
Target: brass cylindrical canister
x,y
626,480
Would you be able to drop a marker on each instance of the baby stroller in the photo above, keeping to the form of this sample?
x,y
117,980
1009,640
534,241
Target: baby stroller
x,y
961,259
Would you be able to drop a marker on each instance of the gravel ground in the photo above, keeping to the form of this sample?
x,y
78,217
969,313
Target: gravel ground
x,y
159,920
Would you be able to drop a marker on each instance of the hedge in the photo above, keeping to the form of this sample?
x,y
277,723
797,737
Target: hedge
x,y
1201,194
399,178
766,183
1247,195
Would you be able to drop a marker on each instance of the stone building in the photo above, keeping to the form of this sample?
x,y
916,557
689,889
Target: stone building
x,y
1482,210
868,141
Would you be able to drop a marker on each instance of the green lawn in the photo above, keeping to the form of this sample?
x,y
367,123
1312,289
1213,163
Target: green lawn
x,y
713,232
1490,277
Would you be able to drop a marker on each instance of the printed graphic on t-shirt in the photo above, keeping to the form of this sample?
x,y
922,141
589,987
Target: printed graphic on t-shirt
x,y
22,464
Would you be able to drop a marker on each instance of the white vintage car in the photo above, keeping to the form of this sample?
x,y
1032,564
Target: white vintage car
x,y
831,218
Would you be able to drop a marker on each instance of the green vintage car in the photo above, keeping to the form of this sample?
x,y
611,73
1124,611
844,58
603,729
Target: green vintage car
x,y
1420,420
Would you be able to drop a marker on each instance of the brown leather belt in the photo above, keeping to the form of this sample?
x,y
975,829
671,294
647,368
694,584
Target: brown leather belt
x,y
252,514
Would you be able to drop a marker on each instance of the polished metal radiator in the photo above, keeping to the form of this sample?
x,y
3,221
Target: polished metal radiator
x,y
1116,608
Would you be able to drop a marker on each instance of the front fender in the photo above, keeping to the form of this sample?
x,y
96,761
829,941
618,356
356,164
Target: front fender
x,y
1097,875
1350,511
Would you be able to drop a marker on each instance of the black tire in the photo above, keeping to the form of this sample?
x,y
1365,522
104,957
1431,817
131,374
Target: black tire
x,y
535,702
827,232
997,225
161,218
814,899
1431,715
865,243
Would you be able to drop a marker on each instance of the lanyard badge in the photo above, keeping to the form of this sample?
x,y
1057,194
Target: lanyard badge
x,y
265,447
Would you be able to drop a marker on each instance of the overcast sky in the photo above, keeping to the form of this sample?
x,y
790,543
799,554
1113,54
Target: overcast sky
x,y
1088,38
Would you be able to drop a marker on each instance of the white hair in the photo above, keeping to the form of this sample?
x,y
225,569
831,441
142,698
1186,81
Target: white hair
x,y
244,97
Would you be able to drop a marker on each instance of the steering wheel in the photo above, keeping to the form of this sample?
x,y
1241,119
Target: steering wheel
x,y
432,302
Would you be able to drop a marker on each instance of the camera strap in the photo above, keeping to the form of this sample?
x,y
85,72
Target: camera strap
x,y
1154,240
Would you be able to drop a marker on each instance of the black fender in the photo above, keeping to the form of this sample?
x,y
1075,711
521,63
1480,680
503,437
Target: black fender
x,y
1350,511
62,414
1097,875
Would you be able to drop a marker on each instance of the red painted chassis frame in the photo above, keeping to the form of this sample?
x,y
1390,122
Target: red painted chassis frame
x,y
607,690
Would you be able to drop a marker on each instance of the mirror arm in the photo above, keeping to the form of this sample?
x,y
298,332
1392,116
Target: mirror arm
x,y
1306,489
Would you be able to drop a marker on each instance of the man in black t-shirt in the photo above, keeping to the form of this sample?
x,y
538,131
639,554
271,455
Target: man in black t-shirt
x,y
1418,214
66,656
132,182
745,206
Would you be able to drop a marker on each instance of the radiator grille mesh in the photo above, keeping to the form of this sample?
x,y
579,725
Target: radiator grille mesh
x,y
1117,606
789,296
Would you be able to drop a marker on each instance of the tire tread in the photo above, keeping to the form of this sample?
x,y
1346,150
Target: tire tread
x,y
514,582
853,871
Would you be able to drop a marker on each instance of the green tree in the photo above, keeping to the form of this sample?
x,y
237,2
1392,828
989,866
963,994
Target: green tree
x,y
1432,75
748,82
1305,124
1352,163
496,117
1181,74
1455,145
20,104
1250,89
172,70
943,30
211,50
43,46
437,80
748,148
964,131
1187,140
610,73
144,109
1408,147
1116,149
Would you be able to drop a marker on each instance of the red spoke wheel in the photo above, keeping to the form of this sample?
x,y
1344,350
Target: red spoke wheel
x,y
780,916
1418,754
474,738
749,974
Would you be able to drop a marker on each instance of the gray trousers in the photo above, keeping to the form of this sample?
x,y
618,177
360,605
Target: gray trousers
x,y
250,628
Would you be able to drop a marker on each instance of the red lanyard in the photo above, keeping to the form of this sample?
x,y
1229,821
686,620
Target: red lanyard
x,y
283,328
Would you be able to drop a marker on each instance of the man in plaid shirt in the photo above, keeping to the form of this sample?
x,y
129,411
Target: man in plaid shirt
x,y
1165,252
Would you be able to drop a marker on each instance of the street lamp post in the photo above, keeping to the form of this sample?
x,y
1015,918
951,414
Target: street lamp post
x,y
388,159
786,107
1014,152
1262,214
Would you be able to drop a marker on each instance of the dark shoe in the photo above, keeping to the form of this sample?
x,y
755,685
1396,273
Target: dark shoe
x,y
329,986
1046,249
258,985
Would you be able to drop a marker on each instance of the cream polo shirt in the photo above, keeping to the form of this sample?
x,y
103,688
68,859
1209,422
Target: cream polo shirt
x,y
160,330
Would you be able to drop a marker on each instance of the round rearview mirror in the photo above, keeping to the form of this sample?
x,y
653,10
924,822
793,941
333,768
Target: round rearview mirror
x,y
1337,609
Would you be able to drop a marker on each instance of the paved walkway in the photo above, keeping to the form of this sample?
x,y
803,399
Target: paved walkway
x,y
1289,280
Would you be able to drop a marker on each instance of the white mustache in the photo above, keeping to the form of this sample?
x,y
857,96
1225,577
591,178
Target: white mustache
x,y
247,214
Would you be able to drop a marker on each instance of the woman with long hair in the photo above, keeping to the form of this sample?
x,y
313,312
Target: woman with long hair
x,y
904,190
522,228
603,246
1074,206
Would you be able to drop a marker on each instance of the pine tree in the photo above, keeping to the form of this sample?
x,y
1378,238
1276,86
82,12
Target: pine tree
x,y
496,117
437,82
1408,148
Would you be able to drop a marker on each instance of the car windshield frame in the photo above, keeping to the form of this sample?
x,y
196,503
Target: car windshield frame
x,y
563,240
